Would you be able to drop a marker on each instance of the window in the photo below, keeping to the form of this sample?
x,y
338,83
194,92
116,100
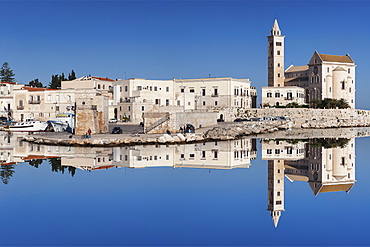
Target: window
x,y
277,151
215,91
204,103
278,44
215,102
278,202
125,88
289,95
49,97
203,92
278,52
343,85
278,74
349,70
269,151
167,157
129,108
98,86
167,89
269,95
182,90
155,88
103,86
191,90
203,154
57,108
139,88
157,101
142,108
151,88
182,156
215,154
278,193
178,102
277,95
167,102
278,64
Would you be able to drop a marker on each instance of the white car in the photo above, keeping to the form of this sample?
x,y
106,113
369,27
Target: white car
x,y
113,120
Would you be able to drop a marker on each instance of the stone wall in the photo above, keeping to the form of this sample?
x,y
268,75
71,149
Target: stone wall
x,y
314,118
203,119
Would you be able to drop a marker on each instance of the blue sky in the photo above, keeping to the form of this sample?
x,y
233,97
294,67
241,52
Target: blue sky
x,y
178,39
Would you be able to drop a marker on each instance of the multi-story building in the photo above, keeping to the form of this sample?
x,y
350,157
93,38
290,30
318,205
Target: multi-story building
x,y
325,76
7,98
133,97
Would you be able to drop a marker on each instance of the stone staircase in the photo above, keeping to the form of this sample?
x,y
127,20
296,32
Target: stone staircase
x,y
157,123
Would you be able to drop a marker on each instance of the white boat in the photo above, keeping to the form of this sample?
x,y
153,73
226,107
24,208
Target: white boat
x,y
29,125
57,126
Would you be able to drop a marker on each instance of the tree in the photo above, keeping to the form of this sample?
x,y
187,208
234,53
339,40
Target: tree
x,y
35,83
71,76
6,172
6,74
57,79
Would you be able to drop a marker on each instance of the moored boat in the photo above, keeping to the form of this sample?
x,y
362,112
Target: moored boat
x,y
29,125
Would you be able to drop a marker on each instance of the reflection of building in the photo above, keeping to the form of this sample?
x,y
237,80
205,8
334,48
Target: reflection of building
x,y
326,169
211,155
328,165
277,153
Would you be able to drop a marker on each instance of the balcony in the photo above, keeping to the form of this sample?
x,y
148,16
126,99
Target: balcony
x,y
20,107
214,95
34,102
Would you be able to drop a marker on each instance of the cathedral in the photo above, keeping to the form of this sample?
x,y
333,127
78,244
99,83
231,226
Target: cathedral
x,y
325,76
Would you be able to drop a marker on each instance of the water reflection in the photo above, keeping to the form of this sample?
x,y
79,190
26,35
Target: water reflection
x,y
328,165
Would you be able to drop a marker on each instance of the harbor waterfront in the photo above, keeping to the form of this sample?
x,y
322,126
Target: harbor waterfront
x,y
114,195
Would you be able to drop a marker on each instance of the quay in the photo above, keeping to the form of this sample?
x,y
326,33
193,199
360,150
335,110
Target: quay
x,y
224,131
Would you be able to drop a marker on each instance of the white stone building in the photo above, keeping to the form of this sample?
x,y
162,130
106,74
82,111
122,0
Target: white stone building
x,y
325,76
133,97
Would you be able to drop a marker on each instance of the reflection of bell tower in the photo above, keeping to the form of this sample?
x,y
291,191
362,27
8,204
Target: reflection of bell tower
x,y
275,57
276,189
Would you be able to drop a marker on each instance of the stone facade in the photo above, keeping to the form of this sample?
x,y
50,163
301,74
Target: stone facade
x,y
325,76
320,118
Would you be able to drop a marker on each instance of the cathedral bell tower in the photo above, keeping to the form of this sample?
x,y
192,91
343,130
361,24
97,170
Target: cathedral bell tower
x,y
275,57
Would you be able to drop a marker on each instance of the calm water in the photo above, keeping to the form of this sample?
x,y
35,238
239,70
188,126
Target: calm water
x,y
244,192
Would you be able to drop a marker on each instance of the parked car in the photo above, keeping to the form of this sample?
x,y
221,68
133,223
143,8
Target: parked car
x,y
3,120
220,120
256,119
113,120
238,120
189,128
117,130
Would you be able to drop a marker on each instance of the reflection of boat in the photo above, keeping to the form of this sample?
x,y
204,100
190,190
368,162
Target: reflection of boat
x,y
29,125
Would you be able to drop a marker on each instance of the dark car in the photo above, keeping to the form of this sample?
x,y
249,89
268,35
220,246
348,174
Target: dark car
x,y
3,120
238,120
189,128
117,130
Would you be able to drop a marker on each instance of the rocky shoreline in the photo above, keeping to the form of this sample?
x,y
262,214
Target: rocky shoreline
x,y
230,131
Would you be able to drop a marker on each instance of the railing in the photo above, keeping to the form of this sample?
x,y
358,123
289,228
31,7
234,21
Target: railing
x,y
20,107
157,123
214,95
33,102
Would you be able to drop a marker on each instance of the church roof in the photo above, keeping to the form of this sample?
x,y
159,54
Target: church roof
x,y
336,58
331,187
293,68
